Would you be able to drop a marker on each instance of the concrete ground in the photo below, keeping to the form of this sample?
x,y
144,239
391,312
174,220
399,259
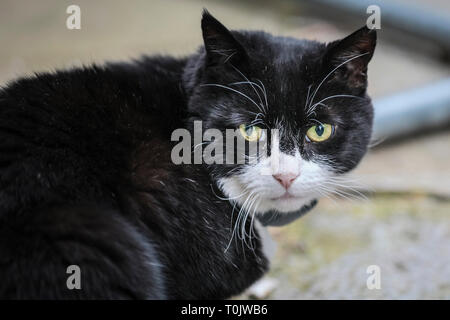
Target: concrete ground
x,y
403,226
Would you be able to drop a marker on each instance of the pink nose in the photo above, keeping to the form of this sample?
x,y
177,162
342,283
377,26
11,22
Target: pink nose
x,y
285,179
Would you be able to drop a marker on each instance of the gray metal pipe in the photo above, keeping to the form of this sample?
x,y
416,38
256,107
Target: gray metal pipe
x,y
406,16
412,111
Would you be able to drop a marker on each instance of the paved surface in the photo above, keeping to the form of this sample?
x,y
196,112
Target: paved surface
x,y
404,225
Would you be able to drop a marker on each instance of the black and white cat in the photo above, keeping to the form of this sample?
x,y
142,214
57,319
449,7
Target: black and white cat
x,y
87,179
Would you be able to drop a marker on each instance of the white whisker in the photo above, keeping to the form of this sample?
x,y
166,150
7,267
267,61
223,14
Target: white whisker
x,y
236,91
265,93
331,97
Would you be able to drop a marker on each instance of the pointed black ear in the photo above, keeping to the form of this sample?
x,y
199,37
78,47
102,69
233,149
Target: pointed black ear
x,y
351,55
220,45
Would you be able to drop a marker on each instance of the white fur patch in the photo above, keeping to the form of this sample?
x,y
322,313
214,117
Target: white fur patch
x,y
253,181
269,246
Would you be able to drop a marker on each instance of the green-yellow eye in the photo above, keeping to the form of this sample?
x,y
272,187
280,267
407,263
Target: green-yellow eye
x,y
320,132
250,133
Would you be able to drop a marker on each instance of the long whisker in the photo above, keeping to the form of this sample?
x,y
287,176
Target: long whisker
x,y
252,223
237,220
265,93
307,95
241,216
354,194
349,182
312,107
248,210
376,142
236,91
326,194
230,198
259,121
243,221
252,84
198,145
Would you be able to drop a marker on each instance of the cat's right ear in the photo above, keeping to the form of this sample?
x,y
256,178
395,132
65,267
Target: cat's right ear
x,y
220,45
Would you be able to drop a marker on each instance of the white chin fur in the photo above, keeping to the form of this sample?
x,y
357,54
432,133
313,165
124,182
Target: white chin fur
x,y
233,190
265,189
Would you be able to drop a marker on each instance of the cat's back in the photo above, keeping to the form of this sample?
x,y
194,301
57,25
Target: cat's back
x,y
66,135
67,142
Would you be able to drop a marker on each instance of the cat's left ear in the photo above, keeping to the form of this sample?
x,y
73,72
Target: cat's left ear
x,y
351,55
220,45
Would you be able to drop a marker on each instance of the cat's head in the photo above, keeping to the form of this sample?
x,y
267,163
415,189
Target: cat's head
x,y
314,94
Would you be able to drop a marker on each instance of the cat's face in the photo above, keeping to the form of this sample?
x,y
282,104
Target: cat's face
x,y
313,94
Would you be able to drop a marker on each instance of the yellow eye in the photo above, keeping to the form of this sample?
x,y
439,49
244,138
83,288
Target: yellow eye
x,y
250,133
320,132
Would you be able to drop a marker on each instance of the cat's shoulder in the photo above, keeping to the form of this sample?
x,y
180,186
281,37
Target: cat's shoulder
x,y
112,82
67,134
95,97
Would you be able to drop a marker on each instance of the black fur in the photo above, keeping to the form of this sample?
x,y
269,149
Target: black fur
x,y
86,176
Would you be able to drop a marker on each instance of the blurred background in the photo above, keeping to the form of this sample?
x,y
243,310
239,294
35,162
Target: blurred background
x,y
397,214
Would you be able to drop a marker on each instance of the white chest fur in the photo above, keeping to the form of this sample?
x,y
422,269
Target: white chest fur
x,y
269,246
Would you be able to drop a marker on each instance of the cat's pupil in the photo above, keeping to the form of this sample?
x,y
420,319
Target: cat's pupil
x,y
319,130
249,131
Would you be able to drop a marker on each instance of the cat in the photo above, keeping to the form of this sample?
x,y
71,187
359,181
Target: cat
x,y
87,178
